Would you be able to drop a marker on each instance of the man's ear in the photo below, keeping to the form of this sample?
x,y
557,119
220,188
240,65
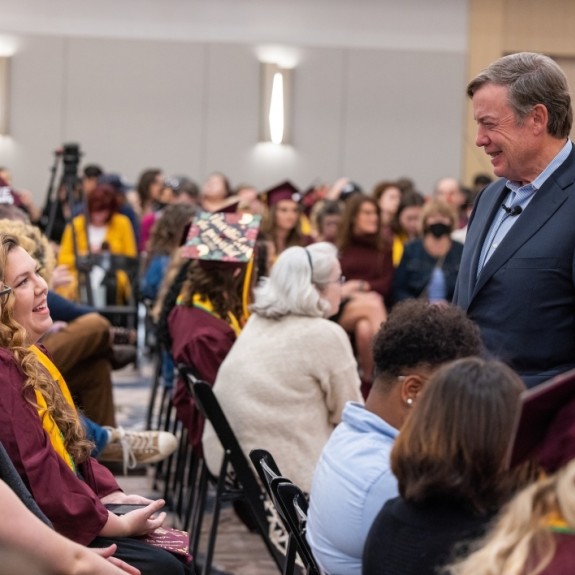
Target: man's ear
x,y
411,387
540,117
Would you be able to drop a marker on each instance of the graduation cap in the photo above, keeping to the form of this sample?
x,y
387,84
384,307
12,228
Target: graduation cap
x,y
545,424
284,191
221,237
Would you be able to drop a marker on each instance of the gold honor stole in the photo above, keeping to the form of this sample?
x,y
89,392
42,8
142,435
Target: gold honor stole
x,y
557,524
207,306
49,425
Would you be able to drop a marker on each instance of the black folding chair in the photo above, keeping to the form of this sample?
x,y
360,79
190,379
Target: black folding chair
x,y
190,478
178,473
266,467
125,314
235,481
293,504
269,473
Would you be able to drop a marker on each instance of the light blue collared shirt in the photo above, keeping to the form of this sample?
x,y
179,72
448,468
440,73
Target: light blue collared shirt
x,y
352,481
518,196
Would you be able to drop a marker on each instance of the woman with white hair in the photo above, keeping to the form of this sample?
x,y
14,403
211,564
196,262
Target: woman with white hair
x,y
289,374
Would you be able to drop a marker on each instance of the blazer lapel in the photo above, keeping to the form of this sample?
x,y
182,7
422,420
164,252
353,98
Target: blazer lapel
x,y
477,233
544,204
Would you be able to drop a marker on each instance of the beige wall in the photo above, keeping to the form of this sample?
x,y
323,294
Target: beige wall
x,y
192,108
499,27
174,83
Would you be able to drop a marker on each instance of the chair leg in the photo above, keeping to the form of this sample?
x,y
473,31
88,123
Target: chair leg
x,y
172,461
197,512
163,424
180,473
154,391
215,518
289,565
191,497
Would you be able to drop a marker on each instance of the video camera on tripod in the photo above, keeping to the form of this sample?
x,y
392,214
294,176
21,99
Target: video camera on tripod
x,y
60,202
71,159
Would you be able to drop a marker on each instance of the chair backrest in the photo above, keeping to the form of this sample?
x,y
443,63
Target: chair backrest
x,y
266,467
111,263
189,376
271,477
212,411
252,493
293,504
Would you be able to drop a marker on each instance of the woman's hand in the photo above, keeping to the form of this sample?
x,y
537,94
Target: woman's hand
x,y
121,497
108,552
137,522
143,521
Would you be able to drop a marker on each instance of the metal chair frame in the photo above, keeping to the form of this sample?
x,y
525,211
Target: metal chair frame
x,y
235,480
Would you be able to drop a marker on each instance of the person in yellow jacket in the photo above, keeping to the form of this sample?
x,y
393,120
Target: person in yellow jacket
x,y
106,229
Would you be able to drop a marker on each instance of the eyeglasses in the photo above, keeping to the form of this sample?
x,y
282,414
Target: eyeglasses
x,y
340,280
5,291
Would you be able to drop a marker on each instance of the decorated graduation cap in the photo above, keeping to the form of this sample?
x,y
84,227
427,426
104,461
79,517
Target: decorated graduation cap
x,y
545,426
284,191
221,237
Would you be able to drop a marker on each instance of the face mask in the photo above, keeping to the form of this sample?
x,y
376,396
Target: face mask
x,y
439,229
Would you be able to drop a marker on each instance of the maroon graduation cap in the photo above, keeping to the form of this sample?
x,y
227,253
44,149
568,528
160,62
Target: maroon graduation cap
x,y
284,191
545,424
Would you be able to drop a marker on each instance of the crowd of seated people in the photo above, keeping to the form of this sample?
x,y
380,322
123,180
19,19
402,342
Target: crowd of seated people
x,y
324,347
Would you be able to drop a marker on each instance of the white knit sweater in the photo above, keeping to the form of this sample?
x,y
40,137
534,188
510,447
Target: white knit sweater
x,y
282,387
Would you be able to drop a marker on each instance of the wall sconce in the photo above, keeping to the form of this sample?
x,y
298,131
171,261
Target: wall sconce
x,y
275,120
4,72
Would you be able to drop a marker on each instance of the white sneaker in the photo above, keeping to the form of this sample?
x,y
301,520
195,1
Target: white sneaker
x,y
134,448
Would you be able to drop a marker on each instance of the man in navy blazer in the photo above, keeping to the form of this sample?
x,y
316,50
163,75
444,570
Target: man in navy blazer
x,y
517,274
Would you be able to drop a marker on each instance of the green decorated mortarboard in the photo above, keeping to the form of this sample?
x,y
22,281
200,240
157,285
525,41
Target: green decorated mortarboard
x,y
222,237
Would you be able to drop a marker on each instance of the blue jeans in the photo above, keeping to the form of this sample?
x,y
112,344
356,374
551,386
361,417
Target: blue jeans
x,y
168,367
95,433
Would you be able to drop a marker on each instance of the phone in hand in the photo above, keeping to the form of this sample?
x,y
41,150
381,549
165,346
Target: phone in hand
x,y
123,508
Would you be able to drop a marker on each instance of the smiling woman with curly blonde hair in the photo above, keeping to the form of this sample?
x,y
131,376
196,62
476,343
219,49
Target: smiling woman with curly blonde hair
x,y
43,436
